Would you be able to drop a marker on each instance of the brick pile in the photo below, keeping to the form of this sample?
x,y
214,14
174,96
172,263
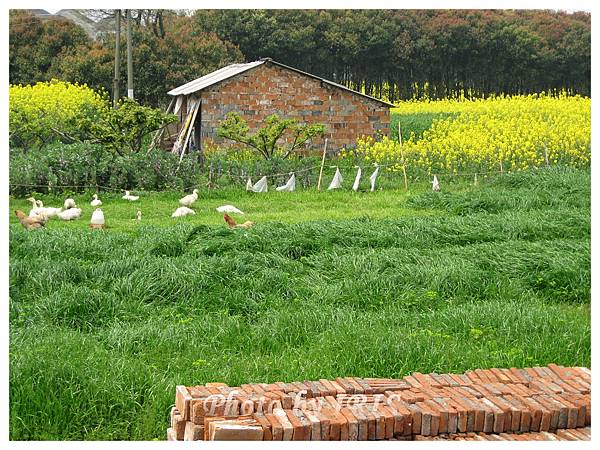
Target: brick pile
x,y
539,403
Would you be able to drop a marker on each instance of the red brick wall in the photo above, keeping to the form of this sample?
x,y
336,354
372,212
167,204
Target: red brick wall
x,y
269,89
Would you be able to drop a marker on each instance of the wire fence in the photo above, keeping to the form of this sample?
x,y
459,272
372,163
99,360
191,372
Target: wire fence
x,y
217,175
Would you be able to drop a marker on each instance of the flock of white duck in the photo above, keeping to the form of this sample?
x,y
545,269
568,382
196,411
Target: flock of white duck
x,y
187,201
70,211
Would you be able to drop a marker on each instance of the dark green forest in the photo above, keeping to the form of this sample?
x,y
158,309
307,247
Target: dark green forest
x,y
392,54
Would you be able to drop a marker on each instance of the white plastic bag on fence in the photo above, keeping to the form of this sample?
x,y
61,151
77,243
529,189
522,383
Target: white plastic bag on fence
x,y
435,185
261,185
249,184
357,180
290,186
373,177
336,183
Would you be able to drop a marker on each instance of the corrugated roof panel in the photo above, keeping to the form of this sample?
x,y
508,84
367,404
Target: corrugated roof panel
x,y
213,77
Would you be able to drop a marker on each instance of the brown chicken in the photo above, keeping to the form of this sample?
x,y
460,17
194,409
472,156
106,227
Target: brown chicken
x,y
232,223
31,223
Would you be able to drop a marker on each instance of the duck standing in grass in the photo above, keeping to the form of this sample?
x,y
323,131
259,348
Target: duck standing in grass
x,y
189,200
34,207
96,202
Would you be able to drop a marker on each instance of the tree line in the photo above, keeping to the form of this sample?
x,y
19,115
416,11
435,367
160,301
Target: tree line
x,y
392,54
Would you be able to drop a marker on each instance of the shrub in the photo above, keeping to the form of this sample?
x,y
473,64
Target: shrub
x,y
76,167
265,140
124,128
51,111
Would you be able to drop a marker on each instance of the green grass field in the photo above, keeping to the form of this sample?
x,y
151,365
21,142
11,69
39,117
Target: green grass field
x,y
104,324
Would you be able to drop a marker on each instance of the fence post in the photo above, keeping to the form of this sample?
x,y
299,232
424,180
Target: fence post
x,y
322,163
402,156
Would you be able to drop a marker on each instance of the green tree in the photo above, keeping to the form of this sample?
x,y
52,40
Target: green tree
x,y
34,45
265,140
123,129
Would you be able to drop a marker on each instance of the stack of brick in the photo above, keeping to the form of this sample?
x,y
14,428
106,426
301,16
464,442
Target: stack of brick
x,y
549,403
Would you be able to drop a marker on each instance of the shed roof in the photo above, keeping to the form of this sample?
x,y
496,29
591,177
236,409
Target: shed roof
x,y
235,69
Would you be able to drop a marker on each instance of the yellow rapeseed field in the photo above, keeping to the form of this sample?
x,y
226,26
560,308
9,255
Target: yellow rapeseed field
x,y
494,134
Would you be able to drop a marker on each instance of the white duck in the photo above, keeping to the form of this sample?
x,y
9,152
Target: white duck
x,y
96,202
97,217
70,214
189,200
48,212
131,198
34,207
182,211
138,215
229,209
69,203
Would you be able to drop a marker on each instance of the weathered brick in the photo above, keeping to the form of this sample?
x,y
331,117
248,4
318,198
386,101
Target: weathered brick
x,y
182,401
353,423
288,428
193,432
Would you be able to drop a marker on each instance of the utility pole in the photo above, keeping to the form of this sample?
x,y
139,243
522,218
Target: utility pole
x,y
129,58
116,79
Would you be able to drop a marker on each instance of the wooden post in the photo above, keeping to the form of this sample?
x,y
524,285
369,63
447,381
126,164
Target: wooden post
x,y
183,135
189,129
129,57
402,156
546,155
322,163
117,57
475,180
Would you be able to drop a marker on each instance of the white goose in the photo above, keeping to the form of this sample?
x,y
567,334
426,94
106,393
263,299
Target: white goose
x,y
96,202
70,214
47,211
69,203
229,209
189,200
182,211
34,207
131,198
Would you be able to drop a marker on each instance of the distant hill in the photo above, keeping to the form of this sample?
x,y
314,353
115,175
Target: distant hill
x,y
93,28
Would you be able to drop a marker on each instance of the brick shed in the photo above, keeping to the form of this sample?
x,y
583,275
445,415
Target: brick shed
x,y
258,89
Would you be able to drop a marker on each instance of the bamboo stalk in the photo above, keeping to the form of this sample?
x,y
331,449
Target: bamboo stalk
x,y
402,156
322,163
